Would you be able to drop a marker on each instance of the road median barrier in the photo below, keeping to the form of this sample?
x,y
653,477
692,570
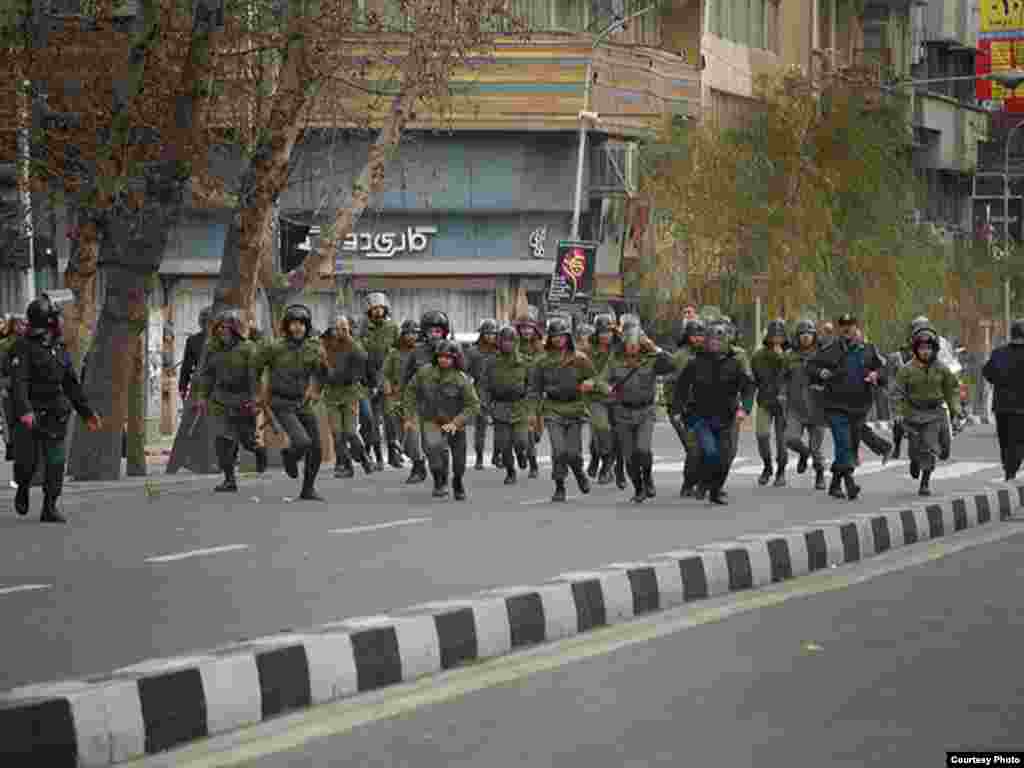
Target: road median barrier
x,y
160,704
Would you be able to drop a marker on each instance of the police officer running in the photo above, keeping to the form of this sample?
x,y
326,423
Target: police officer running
x,y
445,399
44,389
477,358
293,362
505,388
226,390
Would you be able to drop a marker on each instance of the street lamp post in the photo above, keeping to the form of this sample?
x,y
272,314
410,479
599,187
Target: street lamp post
x,y
586,115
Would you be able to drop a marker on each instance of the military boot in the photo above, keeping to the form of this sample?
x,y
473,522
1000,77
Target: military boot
x,y
649,487
458,489
479,460
594,465
559,494
764,450
819,479
510,476
780,476
801,462
379,466
897,440
497,460
604,474
835,489
926,477
290,462
688,489
418,473
915,469
581,477
395,458
50,512
261,459
534,468
230,484
852,489
620,473
440,484
21,499
226,459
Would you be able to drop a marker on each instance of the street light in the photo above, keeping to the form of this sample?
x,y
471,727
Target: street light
x,y
586,115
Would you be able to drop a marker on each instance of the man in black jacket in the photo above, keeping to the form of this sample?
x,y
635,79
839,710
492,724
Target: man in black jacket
x,y
849,369
193,354
714,393
1005,372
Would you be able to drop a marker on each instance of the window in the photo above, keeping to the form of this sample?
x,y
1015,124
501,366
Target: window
x,y
753,23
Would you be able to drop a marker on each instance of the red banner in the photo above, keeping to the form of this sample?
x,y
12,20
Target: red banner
x,y
995,56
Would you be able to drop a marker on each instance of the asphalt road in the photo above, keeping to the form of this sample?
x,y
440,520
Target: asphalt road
x,y
893,671
135,576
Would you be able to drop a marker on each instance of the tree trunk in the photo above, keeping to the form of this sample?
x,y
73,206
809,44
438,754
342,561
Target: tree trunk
x,y
80,277
135,423
108,379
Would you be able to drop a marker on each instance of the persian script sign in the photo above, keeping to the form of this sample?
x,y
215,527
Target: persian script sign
x,y
380,246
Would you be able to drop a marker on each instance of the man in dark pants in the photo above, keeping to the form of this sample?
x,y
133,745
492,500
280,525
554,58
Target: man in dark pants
x,y
293,361
713,393
1005,372
478,357
44,389
194,345
849,369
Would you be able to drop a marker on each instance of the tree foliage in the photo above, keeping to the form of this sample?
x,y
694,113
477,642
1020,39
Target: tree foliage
x,y
816,192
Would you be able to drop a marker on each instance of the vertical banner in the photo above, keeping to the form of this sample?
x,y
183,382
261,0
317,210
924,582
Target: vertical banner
x,y
574,272
1000,48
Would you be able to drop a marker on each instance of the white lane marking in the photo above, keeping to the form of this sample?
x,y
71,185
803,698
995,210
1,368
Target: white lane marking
x,y
196,553
23,588
961,468
381,526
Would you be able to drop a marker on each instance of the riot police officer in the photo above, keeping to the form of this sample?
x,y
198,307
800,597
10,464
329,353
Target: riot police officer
x,y
44,389
477,358
379,337
445,400
393,388
505,388
293,361
434,328
346,379
226,389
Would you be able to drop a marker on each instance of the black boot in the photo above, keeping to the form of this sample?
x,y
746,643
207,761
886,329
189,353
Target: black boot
x,y
835,488
230,484
648,475
764,450
510,476
261,459
594,465
581,477
604,474
780,476
925,490
897,440
395,456
21,499
687,490
497,460
458,489
290,462
418,473
534,468
440,484
479,460
226,453
559,494
639,495
801,463
915,469
50,512
819,479
620,473
852,489
308,492
379,466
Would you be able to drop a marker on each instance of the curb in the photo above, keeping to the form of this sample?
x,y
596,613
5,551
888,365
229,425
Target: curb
x,y
161,704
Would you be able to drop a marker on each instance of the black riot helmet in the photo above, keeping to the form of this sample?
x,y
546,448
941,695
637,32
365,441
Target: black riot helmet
x,y
409,328
559,326
40,313
434,318
585,331
488,327
690,330
232,318
776,329
508,334
298,312
604,324
378,299
1017,331
629,322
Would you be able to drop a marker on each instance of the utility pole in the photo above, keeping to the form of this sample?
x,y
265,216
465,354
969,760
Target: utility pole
x,y
28,288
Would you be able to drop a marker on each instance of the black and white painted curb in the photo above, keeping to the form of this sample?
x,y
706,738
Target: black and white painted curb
x,y
163,703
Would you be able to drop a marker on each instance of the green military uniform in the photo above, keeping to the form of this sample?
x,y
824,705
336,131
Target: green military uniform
x,y
804,414
920,391
6,345
227,386
441,396
505,392
345,386
292,364
770,371
556,379
379,338
531,356
394,364
600,415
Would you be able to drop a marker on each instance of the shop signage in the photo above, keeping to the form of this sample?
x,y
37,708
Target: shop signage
x,y
1000,48
573,280
380,246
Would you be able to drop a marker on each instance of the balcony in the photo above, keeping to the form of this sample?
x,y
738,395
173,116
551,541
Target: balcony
x,y
948,133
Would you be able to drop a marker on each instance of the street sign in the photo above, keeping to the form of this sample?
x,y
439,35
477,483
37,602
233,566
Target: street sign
x,y
573,279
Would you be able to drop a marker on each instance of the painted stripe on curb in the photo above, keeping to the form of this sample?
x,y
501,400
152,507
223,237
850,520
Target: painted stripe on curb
x,y
160,704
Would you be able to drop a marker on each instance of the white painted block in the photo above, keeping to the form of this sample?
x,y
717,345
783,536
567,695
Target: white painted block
x,y
559,611
108,723
153,667
332,666
833,539
418,646
716,571
757,552
493,633
667,575
865,534
921,520
618,596
798,556
231,685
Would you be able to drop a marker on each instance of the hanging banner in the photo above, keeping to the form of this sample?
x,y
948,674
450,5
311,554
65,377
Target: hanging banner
x,y
574,272
999,55
1001,15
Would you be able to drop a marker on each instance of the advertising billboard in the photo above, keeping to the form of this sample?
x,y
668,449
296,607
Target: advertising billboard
x,y
1000,48
574,272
